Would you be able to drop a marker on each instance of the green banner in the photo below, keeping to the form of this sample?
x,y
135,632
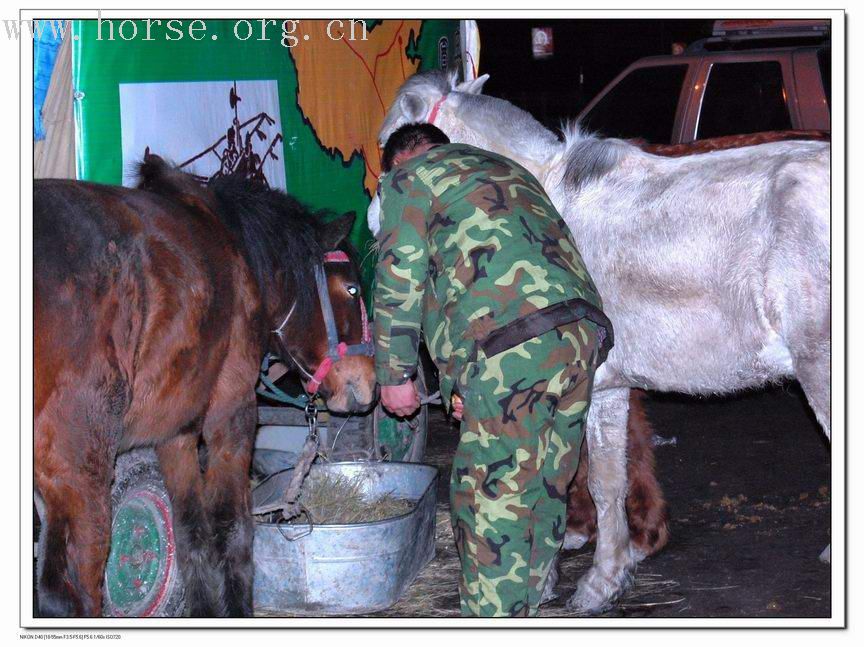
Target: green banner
x,y
232,96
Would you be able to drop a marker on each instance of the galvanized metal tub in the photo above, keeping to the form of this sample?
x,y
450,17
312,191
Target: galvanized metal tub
x,y
339,569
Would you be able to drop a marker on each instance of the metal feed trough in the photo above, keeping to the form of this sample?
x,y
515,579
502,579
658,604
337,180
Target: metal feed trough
x,y
338,569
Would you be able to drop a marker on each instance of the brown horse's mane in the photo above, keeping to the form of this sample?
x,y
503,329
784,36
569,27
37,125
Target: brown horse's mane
x,y
277,234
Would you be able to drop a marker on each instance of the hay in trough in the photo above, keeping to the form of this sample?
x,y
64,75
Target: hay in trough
x,y
331,498
337,498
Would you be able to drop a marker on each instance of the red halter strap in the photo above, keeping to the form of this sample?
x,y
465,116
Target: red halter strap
x,y
336,257
323,369
433,114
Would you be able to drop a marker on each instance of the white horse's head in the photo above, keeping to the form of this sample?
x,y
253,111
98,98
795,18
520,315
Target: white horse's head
x,y
421,98
373,215
468,117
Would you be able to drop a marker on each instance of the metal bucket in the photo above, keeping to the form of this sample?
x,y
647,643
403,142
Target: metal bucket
x,y
339,569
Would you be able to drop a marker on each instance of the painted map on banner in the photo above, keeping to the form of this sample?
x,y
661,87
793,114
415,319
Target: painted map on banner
x,y
206,128
362,78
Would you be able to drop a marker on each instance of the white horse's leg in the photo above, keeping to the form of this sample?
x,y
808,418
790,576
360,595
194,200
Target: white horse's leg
x,y
814,375
607,482
574,541
551,581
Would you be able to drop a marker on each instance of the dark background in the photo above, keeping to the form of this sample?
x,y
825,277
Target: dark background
x,y
599,50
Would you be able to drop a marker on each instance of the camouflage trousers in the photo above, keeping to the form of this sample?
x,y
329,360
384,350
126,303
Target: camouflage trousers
x,y
522,427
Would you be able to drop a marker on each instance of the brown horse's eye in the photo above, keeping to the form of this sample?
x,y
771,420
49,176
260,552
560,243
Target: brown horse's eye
x,y
353,290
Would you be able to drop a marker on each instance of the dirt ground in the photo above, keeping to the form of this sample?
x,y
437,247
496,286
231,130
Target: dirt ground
x,y
747,482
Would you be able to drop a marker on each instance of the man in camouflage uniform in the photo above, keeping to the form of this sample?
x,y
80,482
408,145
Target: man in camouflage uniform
x,y
474,255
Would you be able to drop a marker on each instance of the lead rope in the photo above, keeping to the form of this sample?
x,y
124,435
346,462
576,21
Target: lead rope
x,y
290,504
435,398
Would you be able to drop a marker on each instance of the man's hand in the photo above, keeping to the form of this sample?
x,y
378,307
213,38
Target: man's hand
x,y
456,407
401,400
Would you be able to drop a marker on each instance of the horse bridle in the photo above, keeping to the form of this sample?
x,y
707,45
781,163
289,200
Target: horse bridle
x,y
336,349
433,114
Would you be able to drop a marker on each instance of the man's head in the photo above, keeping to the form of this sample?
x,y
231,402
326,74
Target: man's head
x,y
408,141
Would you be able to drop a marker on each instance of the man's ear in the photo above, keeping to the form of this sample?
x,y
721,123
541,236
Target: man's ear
x,y
413,106
474,86
335,231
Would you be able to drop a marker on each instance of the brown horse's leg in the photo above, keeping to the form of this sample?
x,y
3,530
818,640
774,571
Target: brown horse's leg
x,y
229,441
77,529
56,595
647,512
178,461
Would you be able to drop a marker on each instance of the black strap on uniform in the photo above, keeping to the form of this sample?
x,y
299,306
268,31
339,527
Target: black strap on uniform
x,y
543,320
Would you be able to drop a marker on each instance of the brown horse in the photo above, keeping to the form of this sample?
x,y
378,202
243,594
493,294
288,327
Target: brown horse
x,y
153,308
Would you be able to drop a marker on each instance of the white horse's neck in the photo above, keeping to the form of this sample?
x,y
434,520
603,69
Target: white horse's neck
x,y
518,135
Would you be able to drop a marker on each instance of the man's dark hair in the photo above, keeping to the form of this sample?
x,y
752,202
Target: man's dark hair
x,y
409,137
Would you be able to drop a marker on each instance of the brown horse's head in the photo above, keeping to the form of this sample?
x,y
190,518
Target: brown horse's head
x,y
337,363
306,278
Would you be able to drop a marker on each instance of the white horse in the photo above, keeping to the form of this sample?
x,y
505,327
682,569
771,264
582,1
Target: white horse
x,y
713,268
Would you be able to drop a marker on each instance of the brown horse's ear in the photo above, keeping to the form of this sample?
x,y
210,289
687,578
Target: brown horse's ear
x,y
151,158
335,231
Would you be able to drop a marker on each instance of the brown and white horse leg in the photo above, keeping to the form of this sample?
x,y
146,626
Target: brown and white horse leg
x,y
607,481
647,511
178,462
229,439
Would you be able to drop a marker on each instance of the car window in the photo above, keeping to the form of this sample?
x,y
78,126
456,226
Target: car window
x,y
824,56
642,104
743,98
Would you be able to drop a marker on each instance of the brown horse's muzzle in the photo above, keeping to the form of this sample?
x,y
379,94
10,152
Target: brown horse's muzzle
x,y
350,385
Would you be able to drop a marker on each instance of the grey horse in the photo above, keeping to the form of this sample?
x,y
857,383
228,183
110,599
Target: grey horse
x,y
714,268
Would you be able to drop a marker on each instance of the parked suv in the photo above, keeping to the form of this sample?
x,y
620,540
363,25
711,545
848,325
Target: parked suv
x,y
750,76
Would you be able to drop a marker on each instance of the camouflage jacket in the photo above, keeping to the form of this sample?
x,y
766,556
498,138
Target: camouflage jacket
x,y
469,242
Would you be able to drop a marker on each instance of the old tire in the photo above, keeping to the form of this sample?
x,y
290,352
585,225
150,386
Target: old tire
x,y
142,575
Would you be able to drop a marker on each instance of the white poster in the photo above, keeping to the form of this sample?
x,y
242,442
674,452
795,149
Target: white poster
x,y
209,128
